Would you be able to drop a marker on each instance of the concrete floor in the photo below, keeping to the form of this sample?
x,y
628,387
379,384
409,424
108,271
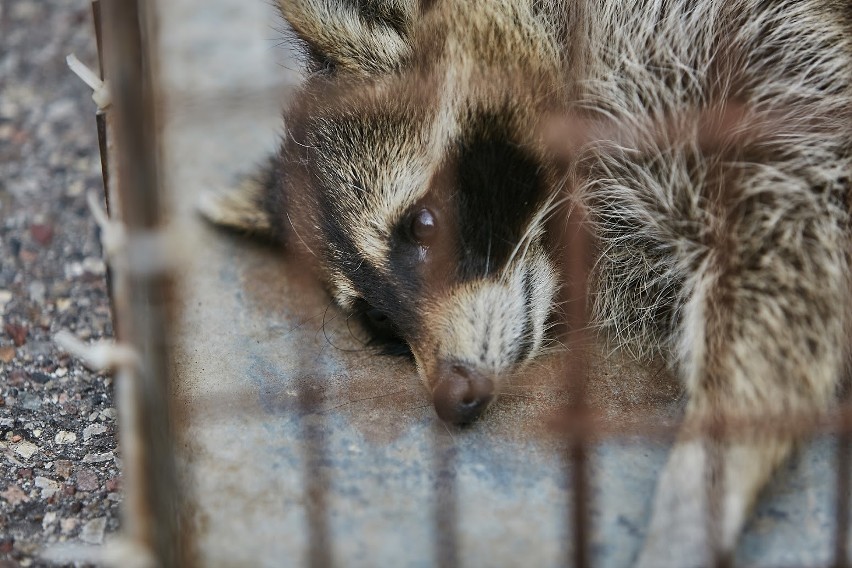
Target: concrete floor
x,y
255,335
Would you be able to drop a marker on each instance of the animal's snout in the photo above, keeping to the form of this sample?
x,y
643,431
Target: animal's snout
x,y
461,393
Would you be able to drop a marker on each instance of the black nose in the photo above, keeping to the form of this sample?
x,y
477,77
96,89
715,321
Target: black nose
x,y
461,393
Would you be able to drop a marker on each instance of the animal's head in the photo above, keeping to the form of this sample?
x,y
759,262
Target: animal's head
x,y
411,169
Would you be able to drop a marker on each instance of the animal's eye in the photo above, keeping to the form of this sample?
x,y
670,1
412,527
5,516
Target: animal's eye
x,y
424,227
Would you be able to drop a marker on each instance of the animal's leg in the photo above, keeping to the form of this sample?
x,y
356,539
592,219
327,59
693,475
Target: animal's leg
x,y
761,335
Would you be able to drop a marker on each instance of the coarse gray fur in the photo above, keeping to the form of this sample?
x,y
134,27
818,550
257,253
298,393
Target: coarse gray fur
x,y
709,141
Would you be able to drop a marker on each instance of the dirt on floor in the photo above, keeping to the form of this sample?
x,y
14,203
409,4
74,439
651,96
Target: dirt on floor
x,y
59,464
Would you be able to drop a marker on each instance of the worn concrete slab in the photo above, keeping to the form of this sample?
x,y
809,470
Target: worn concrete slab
x,y
264,365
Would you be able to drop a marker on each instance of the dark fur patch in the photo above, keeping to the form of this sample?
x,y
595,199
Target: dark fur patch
x,y
499,187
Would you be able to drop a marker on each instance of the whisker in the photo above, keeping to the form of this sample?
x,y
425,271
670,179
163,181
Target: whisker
x,y
364,399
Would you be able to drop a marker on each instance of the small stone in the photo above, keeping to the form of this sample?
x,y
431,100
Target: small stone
x,y
25,473
73,270
94,265
63,437
16,438
67,526
26,449
49,519
7,545
109,413
40,378
93,531
14,495
17,332
75,188
113,484
69,489
7,353
5,298
98,458
93,430
87,480
62,304
48,487
41,233
40,348
61,372
17,378
30,401
37,291
63,468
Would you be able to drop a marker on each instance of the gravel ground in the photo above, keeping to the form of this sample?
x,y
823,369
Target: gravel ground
x,y
59,470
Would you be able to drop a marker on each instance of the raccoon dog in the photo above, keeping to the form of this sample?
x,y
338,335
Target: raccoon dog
x,y
708,141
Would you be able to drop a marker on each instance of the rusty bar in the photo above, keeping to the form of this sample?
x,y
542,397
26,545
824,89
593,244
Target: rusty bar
x,y
316,480
716,434
141,296
445,512
578,255
96,18
841,535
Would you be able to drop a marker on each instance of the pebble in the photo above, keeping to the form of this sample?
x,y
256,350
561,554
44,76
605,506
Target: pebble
x,y
63,437
17,332
5,298
37,291
93,430
41,233
93,531
48,487
7,353
18,377
63,468
67,526
49,519
26,449
87,480
40,378
14,495
98,458
40,348
94,265
30,401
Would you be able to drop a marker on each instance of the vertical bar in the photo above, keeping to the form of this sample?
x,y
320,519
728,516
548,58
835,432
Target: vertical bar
x,y
841,535
578,257
715,435
141,296
445,514
96,18
316,481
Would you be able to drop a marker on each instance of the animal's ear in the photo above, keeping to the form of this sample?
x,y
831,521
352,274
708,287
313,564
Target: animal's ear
x,y
244,207
364,37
